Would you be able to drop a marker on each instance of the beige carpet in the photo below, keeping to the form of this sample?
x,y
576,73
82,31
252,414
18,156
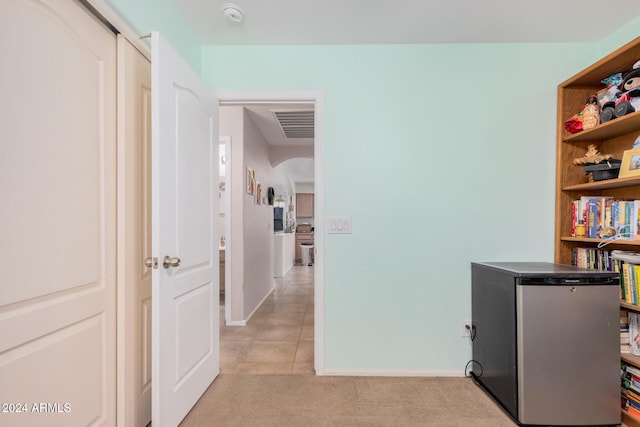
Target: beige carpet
x,y
289,400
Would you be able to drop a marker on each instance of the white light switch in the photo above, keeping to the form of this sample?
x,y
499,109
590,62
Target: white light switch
x,y
340,225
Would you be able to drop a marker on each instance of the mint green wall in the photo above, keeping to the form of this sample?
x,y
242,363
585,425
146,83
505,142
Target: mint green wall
x,y
144,16
442,155
620,37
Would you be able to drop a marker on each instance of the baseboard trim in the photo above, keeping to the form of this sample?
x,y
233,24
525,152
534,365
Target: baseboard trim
x,y
244,322
392,373
237,323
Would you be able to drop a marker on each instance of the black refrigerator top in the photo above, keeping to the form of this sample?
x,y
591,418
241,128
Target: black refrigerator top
x,y
543,269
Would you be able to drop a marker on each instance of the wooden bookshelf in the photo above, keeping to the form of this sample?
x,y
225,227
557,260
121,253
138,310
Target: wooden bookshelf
x,y
613,137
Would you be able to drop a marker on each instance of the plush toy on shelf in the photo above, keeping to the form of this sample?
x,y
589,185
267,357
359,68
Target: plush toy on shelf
x,y
587,118
628,98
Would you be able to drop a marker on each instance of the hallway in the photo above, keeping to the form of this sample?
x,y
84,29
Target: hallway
x,y
278,339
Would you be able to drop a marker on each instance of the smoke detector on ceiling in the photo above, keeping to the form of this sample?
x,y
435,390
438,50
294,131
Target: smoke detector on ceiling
x,y
232,12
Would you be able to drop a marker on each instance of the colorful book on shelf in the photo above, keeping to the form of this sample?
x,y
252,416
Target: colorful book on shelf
x,y
636,220
634,270
632,370
633,411
634,336
592,224
575,206
633,285
633,397
624,277
608,220
626,224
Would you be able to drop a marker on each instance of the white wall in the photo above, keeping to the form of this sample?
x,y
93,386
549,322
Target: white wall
x,y
251,224
258,220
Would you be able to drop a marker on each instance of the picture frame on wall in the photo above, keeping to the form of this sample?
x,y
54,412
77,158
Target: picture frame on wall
x,y
251,181
258,193
630,163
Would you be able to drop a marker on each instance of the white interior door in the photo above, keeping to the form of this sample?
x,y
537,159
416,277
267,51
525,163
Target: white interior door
x,y
185,303
57,216
134,236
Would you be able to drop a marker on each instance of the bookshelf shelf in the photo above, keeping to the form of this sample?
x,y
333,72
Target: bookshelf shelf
x,y
606,184
631,359
609,130
628,306
619,242
630,420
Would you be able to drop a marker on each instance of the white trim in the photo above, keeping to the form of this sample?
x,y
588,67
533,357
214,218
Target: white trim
x,y
318,237
238,97
227,97
237,323
114,19
226,140
244,322
393,373
121,253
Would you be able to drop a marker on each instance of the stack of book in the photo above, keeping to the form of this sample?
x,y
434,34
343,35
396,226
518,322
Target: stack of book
x,y
598,213
630,389
629,269
626,263
595,259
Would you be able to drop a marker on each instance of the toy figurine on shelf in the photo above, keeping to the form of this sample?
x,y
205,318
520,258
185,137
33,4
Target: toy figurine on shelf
x,y
587,118
598,166
627,100
591,156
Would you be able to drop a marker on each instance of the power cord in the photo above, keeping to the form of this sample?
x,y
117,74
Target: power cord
x,y
472,373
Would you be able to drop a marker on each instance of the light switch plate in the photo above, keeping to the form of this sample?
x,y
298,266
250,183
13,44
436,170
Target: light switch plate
x,y
340,225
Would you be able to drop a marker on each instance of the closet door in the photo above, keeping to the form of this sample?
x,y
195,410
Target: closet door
x,y
134,236
57,215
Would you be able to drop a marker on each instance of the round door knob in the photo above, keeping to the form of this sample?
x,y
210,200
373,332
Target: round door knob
x,y
170,262
151,262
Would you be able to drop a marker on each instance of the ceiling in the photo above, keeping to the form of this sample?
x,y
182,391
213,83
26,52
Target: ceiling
x,y
287,22
264,118
298,170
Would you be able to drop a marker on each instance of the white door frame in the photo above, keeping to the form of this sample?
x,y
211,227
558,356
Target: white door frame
x,y
317,98
226,140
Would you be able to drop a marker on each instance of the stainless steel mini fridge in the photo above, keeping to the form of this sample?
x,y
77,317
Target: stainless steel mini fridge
x,y
546,342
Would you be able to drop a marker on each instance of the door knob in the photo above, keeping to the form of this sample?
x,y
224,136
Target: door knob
x,y
170,262
151,262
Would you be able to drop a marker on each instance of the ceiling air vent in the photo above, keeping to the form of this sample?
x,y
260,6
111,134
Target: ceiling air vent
x,y
295,123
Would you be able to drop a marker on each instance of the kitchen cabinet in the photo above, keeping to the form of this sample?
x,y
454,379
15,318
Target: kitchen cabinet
x,y
283,253
304,205
302,238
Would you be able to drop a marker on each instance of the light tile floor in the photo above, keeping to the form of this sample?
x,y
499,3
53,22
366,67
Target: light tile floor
x,y
278,339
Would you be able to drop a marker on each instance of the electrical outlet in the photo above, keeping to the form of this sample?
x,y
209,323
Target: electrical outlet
x,y
465,328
